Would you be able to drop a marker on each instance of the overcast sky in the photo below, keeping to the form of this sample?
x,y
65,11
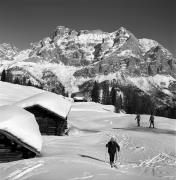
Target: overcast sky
x,y
25,21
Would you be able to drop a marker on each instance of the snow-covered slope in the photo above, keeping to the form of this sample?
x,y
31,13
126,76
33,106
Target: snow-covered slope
x,y
147,83
147,154
93,116
22,126
147,44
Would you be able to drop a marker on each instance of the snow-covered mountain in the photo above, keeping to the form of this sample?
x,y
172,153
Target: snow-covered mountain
x,y
71,58
7,51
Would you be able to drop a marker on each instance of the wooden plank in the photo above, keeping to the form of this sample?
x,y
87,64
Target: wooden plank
x,y
18,141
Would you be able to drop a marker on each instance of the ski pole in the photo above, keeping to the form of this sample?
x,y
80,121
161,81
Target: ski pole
x,y
105,155
115,157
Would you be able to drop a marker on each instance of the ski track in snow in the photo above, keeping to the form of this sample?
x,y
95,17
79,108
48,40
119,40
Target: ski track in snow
x,y
146,152
79,178
20,173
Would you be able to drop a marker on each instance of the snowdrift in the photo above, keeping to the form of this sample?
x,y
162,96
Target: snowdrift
x,y
92,106
146,153
21,126
54,103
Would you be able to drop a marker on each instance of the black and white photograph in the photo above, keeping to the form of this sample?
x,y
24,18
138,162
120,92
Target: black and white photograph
x,y
87,90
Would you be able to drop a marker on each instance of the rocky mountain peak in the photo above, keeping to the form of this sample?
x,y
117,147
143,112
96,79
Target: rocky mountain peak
x,y
92,53
61,30
121,30
7,51
71,60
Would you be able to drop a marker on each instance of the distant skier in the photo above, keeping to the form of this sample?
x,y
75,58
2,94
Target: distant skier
x,y
151,120
113,147
138,118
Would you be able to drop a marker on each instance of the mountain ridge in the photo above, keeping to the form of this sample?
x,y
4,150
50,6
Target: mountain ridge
x,y
69,58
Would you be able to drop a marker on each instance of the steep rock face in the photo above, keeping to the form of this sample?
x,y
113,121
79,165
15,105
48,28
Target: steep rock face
x,y
68,46
159,59
97,52
127,53
70,58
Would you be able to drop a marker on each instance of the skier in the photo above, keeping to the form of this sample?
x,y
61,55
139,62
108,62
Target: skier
x,y
138,118
113,147
151,120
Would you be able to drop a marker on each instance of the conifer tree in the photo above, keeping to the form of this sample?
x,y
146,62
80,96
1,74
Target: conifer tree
x,y
113,95
106,95
9,76
66,94
24,81
29,83
95,92
63,91
118,104
3,75
16,81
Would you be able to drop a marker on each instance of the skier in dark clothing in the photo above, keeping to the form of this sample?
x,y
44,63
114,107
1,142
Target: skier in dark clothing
x,y
138,118
151,120
113,147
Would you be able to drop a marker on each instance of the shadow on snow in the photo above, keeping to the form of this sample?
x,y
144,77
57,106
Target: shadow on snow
x,y
86,156
147,129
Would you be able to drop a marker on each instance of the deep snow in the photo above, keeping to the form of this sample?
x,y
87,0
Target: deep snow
x,y
55,103
22,125
146,153
11,93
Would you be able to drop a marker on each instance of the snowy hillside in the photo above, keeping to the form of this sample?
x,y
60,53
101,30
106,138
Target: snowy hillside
x,y
147,44
145,153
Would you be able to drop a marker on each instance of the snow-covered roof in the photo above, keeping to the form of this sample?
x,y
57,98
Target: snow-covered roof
x,y
79,98
22,125
11,93
57,104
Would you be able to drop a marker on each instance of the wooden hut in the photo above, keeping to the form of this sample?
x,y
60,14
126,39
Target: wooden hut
x,y
50,111
79,97
20,137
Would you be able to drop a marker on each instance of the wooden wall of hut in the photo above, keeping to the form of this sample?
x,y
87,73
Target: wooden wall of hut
x,y
49,123
12,151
